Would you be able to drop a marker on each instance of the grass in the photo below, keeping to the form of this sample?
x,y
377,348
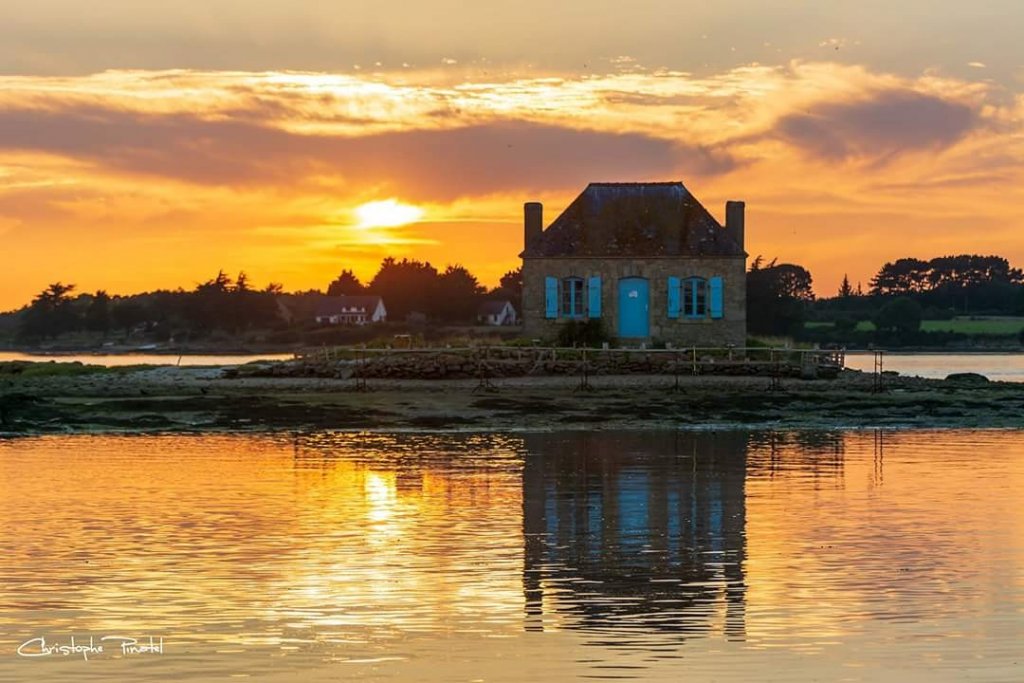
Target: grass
x,y
965,325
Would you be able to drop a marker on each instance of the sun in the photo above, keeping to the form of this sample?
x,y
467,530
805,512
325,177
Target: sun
x,y
387,213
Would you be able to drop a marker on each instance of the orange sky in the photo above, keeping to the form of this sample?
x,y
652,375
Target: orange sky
x,y
129,165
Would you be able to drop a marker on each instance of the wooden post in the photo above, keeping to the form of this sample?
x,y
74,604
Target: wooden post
x,y
876,379
675,371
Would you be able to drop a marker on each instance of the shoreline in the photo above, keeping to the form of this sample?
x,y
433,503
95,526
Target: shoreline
x,y
194,399
255,350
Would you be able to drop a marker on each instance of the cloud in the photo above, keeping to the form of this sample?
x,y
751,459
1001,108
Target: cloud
x,y
262,169
885,124
428,164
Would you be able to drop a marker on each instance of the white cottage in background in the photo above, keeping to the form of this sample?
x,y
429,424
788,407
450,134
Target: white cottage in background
x,y
351,310
497,313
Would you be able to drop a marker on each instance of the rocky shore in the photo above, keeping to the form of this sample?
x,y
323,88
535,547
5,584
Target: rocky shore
x,y
267,397
502,362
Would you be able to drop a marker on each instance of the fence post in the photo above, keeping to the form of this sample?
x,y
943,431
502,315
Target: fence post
x,y
584,384
876,379
675,371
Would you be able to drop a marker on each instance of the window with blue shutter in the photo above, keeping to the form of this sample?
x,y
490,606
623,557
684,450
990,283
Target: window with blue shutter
x,y
594,297
673,297
717,302
550,297
695,297
572,297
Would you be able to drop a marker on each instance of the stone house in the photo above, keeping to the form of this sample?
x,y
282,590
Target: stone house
x,y
646,258
351,310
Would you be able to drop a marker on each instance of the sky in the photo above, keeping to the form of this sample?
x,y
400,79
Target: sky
x,y
146,145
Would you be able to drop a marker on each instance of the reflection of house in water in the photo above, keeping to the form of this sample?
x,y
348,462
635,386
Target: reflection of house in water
x,y
816,456
635,531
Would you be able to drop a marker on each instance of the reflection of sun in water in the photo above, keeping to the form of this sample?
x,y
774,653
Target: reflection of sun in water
x,y
388,213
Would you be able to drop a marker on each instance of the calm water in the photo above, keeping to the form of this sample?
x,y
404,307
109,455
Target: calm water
x,y
1002,367
647,556
121,359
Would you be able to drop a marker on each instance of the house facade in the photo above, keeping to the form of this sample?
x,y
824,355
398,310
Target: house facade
x,y
351,310
647,259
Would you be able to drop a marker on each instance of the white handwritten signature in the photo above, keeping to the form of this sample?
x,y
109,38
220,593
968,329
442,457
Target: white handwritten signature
x,y
38,647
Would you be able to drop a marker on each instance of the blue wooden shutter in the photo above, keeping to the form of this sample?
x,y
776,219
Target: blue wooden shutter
x,y
550,297
594,297
673,297
717,305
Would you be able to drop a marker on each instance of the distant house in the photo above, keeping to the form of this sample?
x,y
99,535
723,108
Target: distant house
x,y
646,258
496,313
351,310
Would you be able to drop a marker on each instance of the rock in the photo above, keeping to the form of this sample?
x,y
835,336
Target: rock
x,y
967,378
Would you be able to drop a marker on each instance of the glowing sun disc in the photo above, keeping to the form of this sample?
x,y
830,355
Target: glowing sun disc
x,y
388,213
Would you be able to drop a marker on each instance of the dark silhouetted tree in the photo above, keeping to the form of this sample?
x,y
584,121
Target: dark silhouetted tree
x,y
128,313
207,308
97,315
346,284
845,290
51,313
963,282
776,297
406,286
903,276
899,315
511,287
458,295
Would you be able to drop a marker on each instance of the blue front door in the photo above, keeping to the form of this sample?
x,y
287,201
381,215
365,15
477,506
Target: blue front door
x,y
634,307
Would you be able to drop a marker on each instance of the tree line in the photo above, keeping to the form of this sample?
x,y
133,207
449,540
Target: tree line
x,y
411,286
780,298
230,306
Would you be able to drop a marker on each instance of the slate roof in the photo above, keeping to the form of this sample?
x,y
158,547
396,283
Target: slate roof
x,y
335,305
493,307
635,219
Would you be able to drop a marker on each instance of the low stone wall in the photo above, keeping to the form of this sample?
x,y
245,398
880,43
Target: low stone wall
x,y
510,362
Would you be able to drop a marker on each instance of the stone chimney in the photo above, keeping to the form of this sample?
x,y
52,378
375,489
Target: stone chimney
x,y
734,220
533,223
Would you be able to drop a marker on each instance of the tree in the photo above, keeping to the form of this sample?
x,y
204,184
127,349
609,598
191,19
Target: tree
x,y
899,315
97,315
963,281
776,297
345,284
845,290
511,287
406,286
900,277
207,307
50,313
221,283
242,283
458,295
127,313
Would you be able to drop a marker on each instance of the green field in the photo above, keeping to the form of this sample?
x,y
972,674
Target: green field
x,y
965,325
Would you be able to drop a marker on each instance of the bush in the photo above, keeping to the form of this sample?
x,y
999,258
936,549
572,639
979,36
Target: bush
x,y
934,313
899,315
846,324
590,332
